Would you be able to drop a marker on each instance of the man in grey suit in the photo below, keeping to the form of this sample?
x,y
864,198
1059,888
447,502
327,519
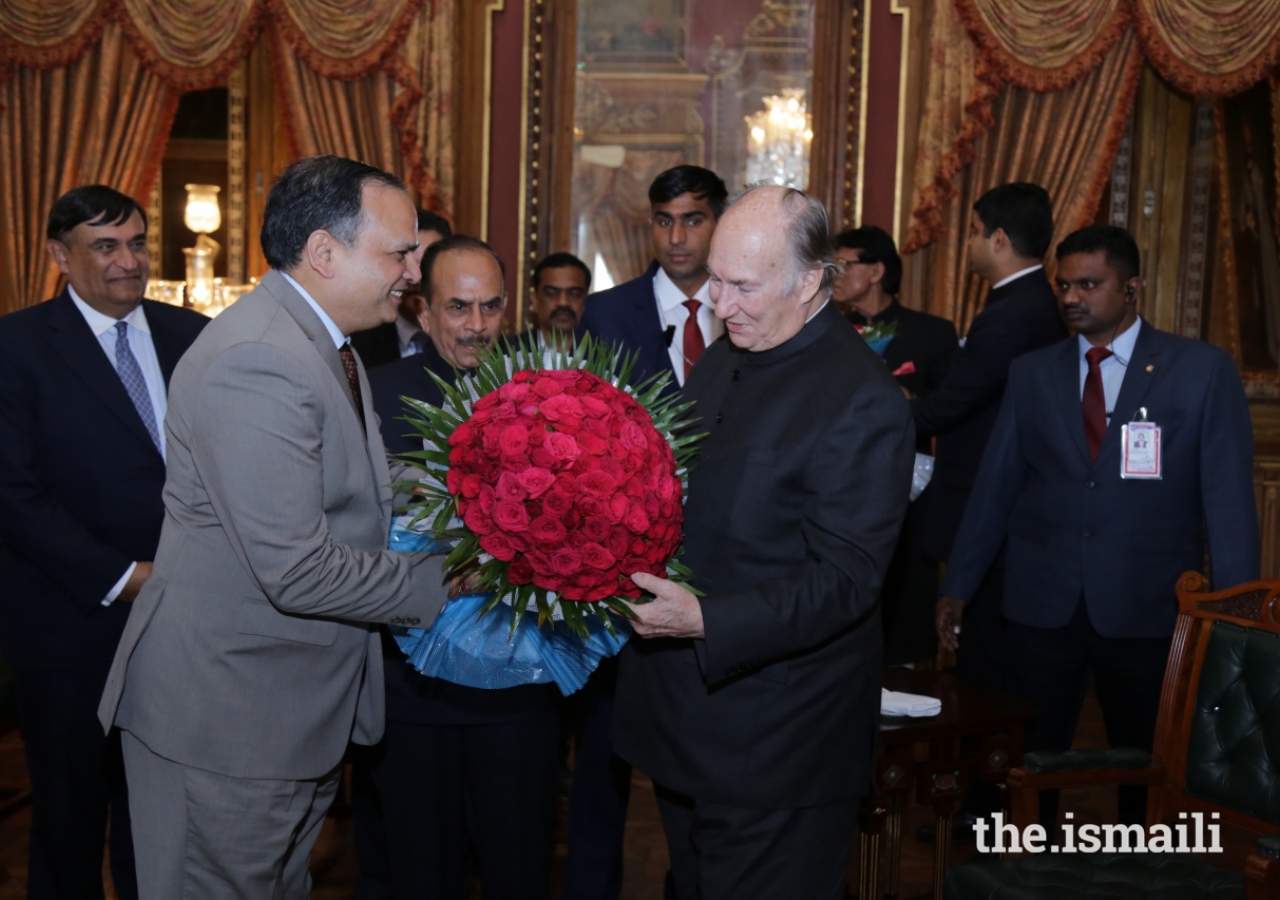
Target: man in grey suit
x,y
252,655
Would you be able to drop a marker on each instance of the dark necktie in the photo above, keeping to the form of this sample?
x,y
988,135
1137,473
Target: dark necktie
x,y
1094,401
350,366
418,342
131,375
693,341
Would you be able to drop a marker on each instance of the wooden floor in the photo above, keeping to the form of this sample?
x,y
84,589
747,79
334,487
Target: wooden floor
x,y
334,864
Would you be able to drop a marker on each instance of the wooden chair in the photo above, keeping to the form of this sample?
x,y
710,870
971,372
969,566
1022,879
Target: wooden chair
x,y
1217,751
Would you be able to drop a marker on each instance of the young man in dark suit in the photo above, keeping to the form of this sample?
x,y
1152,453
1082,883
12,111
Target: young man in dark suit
x,y
666,314
1093,556
1009,234
667,318
918,357
557,299
458,765
403,337
83,391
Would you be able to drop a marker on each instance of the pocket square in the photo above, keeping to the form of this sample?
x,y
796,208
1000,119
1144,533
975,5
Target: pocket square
x,y
906,368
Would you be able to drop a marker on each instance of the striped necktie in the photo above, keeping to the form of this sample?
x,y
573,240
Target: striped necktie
x,y
131,375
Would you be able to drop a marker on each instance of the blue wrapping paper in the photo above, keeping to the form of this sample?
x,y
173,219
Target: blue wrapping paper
x,y
469,647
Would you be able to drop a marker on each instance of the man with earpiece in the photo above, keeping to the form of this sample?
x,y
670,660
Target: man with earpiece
x,y
1119,456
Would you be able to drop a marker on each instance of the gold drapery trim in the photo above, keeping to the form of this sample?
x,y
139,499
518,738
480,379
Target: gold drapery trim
x,y
1043,45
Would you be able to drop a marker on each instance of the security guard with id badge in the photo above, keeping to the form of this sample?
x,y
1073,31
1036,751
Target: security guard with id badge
x,y
1119,457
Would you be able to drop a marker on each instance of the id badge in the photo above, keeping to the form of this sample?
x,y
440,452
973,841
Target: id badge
x,y
1141,443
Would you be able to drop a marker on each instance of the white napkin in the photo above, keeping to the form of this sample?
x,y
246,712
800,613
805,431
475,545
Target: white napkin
x,y
896,703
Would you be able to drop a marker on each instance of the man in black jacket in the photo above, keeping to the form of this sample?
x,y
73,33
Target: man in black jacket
x,y
84,384
1009,235
755,708
918,356
458,764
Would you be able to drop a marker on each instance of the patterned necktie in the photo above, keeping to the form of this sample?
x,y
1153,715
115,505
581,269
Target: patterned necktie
x,y
131,375
1094,401
418,342
693,341
350,366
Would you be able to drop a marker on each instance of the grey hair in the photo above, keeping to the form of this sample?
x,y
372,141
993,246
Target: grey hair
x,y
808,236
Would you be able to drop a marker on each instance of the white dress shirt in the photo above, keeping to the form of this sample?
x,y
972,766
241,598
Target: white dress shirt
x,y
144,351
1113,367
672,311
1016,275
334,331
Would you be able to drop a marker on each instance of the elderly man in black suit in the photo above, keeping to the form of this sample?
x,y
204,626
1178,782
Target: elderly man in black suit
x,y
83,391
755,708
1009,235
433,784
918,356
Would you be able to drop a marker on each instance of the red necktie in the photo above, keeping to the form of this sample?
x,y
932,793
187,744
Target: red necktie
x,y
1094,401
693,341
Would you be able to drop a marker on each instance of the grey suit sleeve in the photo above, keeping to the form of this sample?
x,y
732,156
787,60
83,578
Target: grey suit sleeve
x,y
857,482
258,436
1226,478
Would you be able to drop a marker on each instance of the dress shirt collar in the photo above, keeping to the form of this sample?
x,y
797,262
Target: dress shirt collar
x,y
1122,345
1016,275
100,323
669,296
334,331
405,332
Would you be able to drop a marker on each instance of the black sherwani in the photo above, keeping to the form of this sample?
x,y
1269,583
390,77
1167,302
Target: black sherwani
x,y
794,506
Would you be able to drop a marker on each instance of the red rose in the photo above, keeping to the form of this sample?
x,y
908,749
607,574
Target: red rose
x,y
597,483
477,521
509,515
547,387
497,546
556,503
635,519
536,480
510,488
617,541
567,483
486,499
617,508
594,406
566,561
520,572
596,556
570,424
596,528
514,440
463,434
537,434
547,529
516,392
651,506
542,458
590,506
561,406
471,486
453,481
592,444
633,437
562,447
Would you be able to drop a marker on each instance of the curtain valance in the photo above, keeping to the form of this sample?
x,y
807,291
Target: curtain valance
x,y
193,44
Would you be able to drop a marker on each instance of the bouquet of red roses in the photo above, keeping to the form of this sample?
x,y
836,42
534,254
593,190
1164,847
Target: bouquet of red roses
x,y
557,482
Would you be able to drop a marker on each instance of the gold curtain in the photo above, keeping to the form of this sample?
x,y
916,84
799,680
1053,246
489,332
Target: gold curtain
x,y
1064,141
100,119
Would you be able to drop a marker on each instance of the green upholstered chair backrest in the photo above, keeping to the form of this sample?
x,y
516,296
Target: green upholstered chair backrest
x,y
1233,751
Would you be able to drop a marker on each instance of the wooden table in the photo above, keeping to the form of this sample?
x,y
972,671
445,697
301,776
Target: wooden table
x,y
977,736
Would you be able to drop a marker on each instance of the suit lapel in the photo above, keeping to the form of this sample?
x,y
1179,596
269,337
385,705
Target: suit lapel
x,y
314,329
1138,376
1067,390
648,323
83,355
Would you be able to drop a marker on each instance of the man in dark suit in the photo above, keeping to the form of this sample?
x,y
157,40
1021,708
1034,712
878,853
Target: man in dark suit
x,y
458,764
918,356
557,298
403,337
1092,555
755,708
665,316
83,391
1009,235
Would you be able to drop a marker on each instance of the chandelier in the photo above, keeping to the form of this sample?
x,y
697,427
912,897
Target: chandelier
x,y
778,141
